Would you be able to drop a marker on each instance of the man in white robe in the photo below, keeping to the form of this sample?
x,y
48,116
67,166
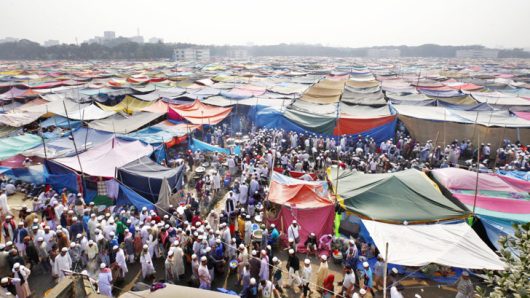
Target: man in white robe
x,y
62,262
147,263
120,260
105,280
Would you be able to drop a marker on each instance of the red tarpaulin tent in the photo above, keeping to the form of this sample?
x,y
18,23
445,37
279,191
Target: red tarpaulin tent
x,y
198,113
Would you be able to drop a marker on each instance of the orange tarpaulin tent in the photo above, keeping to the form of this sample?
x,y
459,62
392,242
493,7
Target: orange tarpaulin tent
x,y
198,113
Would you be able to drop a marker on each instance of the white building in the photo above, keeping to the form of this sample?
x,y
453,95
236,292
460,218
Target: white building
x,y
239,54
191,54
383,53
108,35
156,40
51,42
137,39
482,53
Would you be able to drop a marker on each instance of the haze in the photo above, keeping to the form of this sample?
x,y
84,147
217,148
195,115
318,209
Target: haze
x,y
335,23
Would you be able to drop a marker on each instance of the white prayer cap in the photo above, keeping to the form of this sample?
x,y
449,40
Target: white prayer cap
x,y
253,281
72,245
64,249
144,208
294,221
170,253
79,235
324,257
208,249
17,265
291,240
194,256
4,280
176,242
102,266
362,291
241,246
115,247
218,241
273,226
291,251
366,265
254,252
394,270
203,258
275,259
307,261
146,246
40,239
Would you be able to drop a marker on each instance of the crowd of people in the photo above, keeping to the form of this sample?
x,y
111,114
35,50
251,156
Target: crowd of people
x,y
61,234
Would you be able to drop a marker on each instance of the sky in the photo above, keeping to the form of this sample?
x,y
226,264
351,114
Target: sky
x,y
350,23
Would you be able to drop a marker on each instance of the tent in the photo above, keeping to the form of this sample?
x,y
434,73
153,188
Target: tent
x,y
424,122
104,159
394,197
145,176
198,113
12,146
127,196
128,105
176,291
502,198
119,123
85,138
454,245
196,145
307,202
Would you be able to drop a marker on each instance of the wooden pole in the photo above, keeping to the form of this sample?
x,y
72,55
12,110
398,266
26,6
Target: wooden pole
x,y
75,145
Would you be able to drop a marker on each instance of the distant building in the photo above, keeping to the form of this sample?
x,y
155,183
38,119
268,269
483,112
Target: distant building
x,y
239,54
51,43
108,35
156,40
383,53
191,54
8,39
137,39
482,53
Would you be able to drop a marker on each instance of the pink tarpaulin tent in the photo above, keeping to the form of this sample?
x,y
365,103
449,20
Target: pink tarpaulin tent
x,y
304,201
104,159
454,178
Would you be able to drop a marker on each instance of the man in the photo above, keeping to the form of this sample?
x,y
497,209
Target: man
x,y
105,280
348,282
306,277
396,291
255,265
293,264
147,263
267,289
18,238
274,235
8,228
379,270
277,274
43,255
264,266
293,232
120,260
311,244
367,276
62,262
22,273
465,286
205,281
322,272
169,265
4,206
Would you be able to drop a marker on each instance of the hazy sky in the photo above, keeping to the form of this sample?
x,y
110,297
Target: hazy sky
x,y
354,23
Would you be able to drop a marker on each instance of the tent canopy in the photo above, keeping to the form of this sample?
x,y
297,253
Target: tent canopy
x,y
12,146
394,197
128,105
199,113
119,123
455,245
145,176
104,159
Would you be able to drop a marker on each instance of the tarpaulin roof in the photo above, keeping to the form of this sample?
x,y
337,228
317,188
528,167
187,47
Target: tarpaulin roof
x,y
317,123
455,178
297,193
453,245
127,196
104,159
323,92
199,113
497,98
314,108
18,119
394,197
128,105
124,124
12,146
145,177
85,138
196,145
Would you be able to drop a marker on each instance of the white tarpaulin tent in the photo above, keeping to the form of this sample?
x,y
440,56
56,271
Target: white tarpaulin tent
x,y
455,245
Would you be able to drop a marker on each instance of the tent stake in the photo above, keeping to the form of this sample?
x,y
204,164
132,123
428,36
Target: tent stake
x,y
386,271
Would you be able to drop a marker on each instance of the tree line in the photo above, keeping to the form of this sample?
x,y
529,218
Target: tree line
x,y
124,49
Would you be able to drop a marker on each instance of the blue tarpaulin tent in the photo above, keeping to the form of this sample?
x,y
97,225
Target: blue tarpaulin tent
x,y
196,145
127,196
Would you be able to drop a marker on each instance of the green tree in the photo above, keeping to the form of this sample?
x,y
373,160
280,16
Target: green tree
x,y
515,280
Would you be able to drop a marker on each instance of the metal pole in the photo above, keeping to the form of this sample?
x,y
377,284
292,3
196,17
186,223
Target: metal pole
x,y
75,145
385,272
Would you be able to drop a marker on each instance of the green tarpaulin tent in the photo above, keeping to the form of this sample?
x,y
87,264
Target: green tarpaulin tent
x,y
14,145
394,197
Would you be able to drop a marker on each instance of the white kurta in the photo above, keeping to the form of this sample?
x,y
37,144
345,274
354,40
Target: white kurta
x,y
147,264
120,260
62,263
105,283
